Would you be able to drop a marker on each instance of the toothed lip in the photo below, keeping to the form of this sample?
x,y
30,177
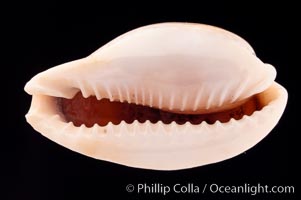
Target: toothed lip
x,y
217,98
150,145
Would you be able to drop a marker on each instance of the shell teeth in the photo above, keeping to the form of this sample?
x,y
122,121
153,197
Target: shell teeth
x,y
222,97
247,118
152,128
148,125
150,98
210,99
187,127
83,89
239,90
184,102
119,94
204,126
171,102
82,129
231,123
218,124
127,92
108,91
128,127
117,130
68,125
173,127
158,127
143,127
123,128
96,130
160,100
136,127
110,127
143,96
99,130
197,99
136,95
96,91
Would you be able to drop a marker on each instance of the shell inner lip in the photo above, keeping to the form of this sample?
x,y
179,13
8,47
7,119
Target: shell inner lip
x,y
90,111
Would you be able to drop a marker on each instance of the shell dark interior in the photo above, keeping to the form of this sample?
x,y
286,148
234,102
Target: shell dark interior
x,y
90,111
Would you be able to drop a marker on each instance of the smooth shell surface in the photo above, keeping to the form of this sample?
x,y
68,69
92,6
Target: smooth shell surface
x,y
172,66
180,67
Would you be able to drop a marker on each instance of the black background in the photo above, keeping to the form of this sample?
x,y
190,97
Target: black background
x,y
45,35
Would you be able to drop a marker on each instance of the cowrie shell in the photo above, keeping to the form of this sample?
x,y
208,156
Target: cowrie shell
x,y
178,67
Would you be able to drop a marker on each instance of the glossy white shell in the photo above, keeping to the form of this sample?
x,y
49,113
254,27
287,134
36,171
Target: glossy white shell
x,y
173,66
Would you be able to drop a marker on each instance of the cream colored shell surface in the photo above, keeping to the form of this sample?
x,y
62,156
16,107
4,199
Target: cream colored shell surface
x,y
173,66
